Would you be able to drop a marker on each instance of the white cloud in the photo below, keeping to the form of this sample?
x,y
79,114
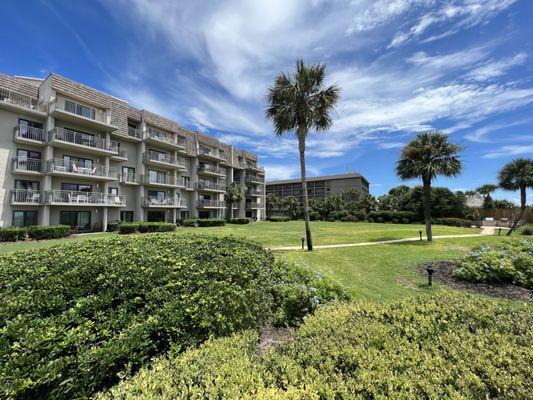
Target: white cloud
x,y
277,172
479,135
497,68
509,151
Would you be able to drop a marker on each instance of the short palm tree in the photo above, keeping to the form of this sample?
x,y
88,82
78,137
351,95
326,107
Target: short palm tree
x,y
517,175
233,195
302,103
428,155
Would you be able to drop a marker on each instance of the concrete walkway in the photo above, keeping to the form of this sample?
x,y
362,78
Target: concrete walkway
x,y
414,239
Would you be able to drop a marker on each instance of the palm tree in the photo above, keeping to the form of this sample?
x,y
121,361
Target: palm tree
x,y
517,175
233,195
301,103
428,155
487,189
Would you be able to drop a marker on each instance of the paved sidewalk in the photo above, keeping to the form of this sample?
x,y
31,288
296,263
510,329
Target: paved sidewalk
x,y
414,239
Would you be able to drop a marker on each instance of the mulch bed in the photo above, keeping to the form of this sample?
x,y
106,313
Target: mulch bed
x,y
443,274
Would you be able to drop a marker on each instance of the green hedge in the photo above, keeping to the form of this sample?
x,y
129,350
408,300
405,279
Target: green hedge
x,y
453,222
393,216
204,222
526,230
239,221
443,347
145,227
13,234
48,232
278,218
508,262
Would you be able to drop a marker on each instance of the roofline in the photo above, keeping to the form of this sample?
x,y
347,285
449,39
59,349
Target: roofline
x,y
319,178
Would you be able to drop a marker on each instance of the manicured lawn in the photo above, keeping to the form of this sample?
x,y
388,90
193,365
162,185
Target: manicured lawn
x,y
386,272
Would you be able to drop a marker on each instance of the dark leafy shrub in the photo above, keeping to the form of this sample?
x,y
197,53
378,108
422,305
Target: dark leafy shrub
x,y
405,220
360,215
128,227
314,215
509,261
188,222
278,218
526,230
392,216
380,219
145,227
74,316
453,222
12,234
441,347
48,232
349,218
338,215
239,221
205,222
113,226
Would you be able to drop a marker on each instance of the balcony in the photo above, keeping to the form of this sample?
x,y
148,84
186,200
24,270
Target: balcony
x,y
71,111
131,135
29,135
26,197
164,160
184,184
158,137
210,187
164,202
211,204
27,166
83,142
92,171
213,170
255,167
254,192
120,155
129,179
18,102
84,199
159,180
255,179
210,153
253,206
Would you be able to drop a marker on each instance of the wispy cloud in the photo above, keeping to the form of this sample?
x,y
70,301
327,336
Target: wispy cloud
x,y
494,69
509,151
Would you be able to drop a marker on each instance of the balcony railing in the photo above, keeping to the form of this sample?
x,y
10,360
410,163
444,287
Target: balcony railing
x,y
210,186
22,164
82,139
149,201
211,203
29,133
130,178
254,192
90,169
134,133
21,100
84,198
71,107
116,148
184,183
207,151
254,166
209,168
25,196
163,158
165,137
255,178
158,180
252,205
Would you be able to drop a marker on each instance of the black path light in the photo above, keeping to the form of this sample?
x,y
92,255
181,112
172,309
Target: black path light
x,y
303,242
499,231
420,234
430,271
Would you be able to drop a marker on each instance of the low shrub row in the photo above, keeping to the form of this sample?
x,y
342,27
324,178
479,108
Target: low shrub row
x,y
145,227
397,217
452,222
37,232
278,218
506,262
526,230
239,221
202,222
441,347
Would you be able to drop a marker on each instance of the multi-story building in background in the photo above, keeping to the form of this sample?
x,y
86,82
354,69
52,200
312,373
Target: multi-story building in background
x,y
319,187
74,155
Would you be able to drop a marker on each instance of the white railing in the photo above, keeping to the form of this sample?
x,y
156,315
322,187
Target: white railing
x,y
27,164
209,168
255,178
165,137
254,166
30,133
129,178
252,205
254,192
211,203
96,114
150,201
208,151
163,158
183,183
18,99
25,196
84,198
82,139
84,169
159,179
210,186
134,132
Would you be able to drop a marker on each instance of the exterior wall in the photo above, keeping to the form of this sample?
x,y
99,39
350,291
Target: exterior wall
x,y
111,125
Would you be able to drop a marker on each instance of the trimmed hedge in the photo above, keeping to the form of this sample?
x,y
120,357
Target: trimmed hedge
x,y
393,216
507,262
204,222
453,222
239,221
278,218
145,227
526,230
48,232
441,347
13,234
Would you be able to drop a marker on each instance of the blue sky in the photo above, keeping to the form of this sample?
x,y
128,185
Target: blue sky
x,y
461,66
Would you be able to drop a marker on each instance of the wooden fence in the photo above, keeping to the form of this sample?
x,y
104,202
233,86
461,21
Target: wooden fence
x,y
509,213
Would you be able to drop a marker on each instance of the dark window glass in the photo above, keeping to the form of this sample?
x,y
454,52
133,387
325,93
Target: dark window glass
x,y
156,216
113,191
24,218
29,185
157,193
184,214
77,187
126,216
76,219
21,153
78,161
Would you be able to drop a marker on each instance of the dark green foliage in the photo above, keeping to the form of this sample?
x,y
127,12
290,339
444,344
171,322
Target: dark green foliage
x,y
128,227
507,262
204,222
440,347
48,232
145,227
278,218
73,316
526,230
390,216
12,234
452,222
113,226
188,222
239,221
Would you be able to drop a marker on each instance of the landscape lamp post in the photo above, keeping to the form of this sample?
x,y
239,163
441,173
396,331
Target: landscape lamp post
x,y
430,271
303,242
420,234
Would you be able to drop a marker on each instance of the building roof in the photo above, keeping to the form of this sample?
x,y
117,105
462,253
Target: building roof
x,y
318,178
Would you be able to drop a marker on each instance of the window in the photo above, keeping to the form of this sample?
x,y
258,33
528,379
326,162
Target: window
x,y
157,176
78,109
77,187
157,155
24,218
126,216
156,216
27,185
157,193
113,191
24,154
76,219
78,161
186,181
184,215
27,129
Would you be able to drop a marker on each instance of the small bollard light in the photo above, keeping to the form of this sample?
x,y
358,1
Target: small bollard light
x,y
499,231
420,234
430,275
303,242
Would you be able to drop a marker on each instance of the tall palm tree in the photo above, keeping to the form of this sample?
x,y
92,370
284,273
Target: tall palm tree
x,y
517,175
428,155
233,195
301,103
487,189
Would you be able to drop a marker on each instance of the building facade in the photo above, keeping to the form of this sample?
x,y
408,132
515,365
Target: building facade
x,y
73,155
319,187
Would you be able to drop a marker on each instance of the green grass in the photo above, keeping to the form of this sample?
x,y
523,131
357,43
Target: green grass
x,y
389,271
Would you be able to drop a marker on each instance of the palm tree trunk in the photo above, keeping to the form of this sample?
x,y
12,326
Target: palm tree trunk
x,y
426,197
522,210
301,145
229,210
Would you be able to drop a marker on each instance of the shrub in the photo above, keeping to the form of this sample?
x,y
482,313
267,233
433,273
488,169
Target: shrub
x,y
526,230
188,222
452,222
13,234
507,262
239,221
128,227
113,226
392,216
205,222
74,316
145,227
441,347
278,218
48,232
349,218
